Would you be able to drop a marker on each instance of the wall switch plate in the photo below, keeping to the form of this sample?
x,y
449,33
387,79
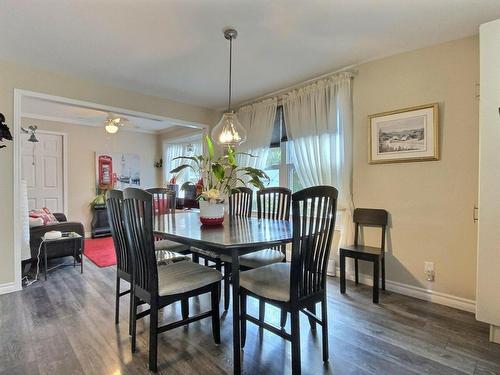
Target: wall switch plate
x,y
429,271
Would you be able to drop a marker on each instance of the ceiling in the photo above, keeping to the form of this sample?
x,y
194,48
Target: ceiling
x,y
52,110
175,49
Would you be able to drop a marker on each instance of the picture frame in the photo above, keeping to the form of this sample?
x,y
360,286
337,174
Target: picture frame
x,y
404,135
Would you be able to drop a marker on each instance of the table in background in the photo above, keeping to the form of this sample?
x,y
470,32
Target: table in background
x,y
75,238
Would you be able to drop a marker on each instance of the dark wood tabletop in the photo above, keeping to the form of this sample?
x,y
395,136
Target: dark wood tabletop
x,y
242,234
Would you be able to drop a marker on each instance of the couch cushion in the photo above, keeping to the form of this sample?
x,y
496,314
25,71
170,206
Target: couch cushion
x,y
271,281
170,245
181,277
258,258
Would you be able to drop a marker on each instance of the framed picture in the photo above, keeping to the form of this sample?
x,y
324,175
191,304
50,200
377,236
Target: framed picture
x,y
405,135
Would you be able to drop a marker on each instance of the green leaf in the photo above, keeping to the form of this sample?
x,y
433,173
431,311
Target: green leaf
x,y
187,157
218,171
245,153
210,146
180,168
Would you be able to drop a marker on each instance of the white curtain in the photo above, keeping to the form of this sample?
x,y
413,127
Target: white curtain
x,y
318,120
173,150
258,120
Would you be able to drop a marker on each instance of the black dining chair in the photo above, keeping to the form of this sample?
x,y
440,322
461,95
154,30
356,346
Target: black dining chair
x,y
376,255
160,286
164,203
273,203
299,286
124,265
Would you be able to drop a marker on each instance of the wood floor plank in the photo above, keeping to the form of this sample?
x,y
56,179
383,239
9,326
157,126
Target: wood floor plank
x,y
65,325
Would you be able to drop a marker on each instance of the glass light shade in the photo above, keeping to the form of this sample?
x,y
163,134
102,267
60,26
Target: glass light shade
x,y
229,131
111,128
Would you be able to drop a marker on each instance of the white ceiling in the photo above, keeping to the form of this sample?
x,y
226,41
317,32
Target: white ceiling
x,y
44,109
175,49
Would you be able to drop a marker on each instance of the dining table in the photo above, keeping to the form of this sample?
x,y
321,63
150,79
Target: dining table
x,y
237,236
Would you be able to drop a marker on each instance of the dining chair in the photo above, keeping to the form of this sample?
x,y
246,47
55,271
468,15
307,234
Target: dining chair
x,y
297,286
376,255
124,265
160,286
164,203
274,204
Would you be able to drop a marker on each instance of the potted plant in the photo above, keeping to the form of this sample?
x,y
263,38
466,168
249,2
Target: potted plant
x,y
219,176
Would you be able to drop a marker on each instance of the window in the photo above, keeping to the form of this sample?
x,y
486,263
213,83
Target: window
x,y
173,150
279,166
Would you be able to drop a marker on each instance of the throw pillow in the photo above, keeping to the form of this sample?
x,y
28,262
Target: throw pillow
x,y
45,214
35,222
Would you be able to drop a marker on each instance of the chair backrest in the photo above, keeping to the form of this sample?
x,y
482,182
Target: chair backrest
x,y
240,202
313,216
114,206
274,203
372,217
164,200
138,212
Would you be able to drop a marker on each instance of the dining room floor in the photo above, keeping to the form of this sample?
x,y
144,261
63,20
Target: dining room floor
x,y
65,325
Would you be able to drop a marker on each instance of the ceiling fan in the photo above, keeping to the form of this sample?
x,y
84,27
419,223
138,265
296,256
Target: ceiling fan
x,y
113,122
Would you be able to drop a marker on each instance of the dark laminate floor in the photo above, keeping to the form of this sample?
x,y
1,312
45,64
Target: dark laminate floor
x,y
65,326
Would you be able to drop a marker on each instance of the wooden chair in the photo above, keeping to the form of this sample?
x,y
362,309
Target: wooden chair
x,y
160,286
124,265
164,203
299,286
240,202
376,255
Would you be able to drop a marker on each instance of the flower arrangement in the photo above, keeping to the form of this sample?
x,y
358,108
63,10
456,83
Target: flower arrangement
x,y
220,176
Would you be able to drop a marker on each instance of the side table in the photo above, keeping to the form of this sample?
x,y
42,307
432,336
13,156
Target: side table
x,y
74,238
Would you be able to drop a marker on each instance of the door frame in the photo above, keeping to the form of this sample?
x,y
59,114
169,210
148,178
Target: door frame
x,y
64,165
16,134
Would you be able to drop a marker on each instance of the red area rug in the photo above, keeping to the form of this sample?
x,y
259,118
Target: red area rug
x,y
101,251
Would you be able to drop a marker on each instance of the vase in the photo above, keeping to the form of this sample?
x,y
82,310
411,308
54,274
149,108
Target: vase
x,y
211,213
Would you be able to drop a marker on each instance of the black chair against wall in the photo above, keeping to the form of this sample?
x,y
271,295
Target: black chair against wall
x,y
160,286
299,286
376,255
164,203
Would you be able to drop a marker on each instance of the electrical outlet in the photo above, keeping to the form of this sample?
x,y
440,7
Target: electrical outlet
x,y
429,271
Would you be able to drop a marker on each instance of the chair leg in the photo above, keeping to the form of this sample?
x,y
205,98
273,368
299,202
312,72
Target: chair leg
x,y
215,313
227,272
376,276
243,322
383,273
284,315
218,265
185,308
356,271
206,262
196,258
134,321
312,323
262,311
324,327
153,337
342,272
117,300
295,341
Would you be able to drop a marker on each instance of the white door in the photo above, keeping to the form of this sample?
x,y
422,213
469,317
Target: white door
x,y
42,168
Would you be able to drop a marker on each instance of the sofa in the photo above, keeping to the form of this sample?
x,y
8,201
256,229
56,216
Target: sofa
x,y
57,250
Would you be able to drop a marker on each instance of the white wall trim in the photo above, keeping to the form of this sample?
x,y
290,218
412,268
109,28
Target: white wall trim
x,y
420,293
9,287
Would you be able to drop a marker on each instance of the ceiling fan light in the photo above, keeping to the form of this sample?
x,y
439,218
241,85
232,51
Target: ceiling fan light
x,y
111,128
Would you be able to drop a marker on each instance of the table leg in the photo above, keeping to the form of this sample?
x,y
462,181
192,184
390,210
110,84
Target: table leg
x,y
236,314
74,253
81,255
342,272
45,259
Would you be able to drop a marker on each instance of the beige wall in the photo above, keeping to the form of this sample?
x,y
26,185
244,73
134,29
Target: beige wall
x,y
22,77
431,203
83,142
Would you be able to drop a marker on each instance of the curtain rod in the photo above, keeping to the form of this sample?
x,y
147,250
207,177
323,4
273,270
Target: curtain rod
x,y
280,93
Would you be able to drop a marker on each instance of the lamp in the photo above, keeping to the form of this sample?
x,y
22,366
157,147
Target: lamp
x,y
4,130
229,131
32,133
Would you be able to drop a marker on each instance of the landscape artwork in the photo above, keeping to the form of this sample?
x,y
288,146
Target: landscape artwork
x,y
404,135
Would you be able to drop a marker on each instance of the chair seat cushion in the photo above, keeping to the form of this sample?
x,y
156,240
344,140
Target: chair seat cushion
x,y
164,257
258,258
206,253
170,245
362,249
271,281
184,276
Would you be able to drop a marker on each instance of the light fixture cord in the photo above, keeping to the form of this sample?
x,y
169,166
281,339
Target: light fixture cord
x,y
230,68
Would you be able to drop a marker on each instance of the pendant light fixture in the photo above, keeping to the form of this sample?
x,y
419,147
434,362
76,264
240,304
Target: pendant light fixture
x,y
229,131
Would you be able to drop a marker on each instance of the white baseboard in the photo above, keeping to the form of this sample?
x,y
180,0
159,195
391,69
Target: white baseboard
x,y
420,293
495,334
8,288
